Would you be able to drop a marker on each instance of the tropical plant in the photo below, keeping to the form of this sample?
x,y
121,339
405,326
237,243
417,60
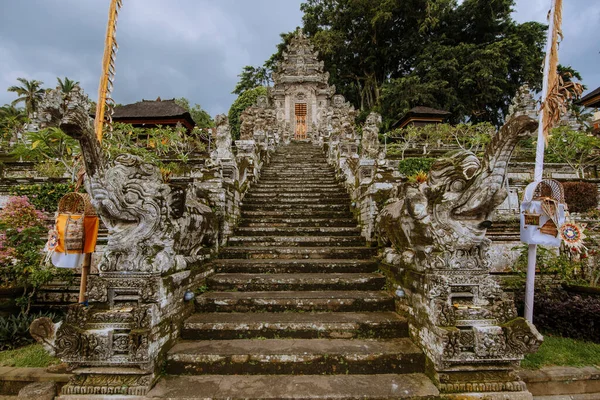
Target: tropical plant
x,y
578,149
199,115
22,232
12,121
245,100
30,93
67,85
50,145
14,329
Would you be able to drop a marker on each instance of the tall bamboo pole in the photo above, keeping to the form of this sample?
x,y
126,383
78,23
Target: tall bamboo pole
x,y
104,100
550,80
108,69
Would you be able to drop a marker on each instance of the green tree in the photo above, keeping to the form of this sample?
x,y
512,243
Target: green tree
x,y
67,85
252,77
52,147
391,55
12,122
244,100
578,149
199,115
30,93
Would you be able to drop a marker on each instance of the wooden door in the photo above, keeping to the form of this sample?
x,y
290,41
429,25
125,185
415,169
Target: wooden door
x,y
300,121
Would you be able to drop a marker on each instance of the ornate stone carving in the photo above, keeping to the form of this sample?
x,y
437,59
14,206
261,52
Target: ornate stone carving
x,y
223,139
157,231
370,136
460,315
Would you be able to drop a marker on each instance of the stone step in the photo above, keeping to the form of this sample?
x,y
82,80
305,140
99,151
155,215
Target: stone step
x,y
275,222
243,252
298,231
271,175
298,169
293,187
286,182
312,206
295,282
296,202
297,387
341,196
296,241
296,213
295,356
325,325
294,266
291,191
333,301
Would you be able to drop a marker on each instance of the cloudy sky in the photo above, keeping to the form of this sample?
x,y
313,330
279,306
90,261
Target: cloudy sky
x,y
196,48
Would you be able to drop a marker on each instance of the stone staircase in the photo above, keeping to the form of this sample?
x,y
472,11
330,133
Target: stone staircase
x,y
296,308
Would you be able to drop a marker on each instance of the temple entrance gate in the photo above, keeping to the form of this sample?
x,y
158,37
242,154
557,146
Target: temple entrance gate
x,y
300,112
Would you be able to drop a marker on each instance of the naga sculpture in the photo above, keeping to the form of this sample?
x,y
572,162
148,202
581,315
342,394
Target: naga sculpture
x,y
458,313
157,231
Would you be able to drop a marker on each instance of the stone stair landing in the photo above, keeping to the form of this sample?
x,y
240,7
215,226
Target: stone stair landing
x,y
296,308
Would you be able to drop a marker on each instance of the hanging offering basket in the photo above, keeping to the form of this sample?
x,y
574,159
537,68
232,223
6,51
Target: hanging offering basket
x,y
543,211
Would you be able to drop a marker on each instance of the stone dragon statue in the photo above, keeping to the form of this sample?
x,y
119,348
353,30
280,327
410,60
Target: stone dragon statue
x,y
153,226
458,313
450,212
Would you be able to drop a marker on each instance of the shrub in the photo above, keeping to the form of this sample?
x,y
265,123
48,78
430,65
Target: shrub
x,y
22,237
566,314
14,330
45,196
412,166
581,196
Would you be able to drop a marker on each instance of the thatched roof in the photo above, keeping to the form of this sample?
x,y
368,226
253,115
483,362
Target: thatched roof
x,y
422,114
420,110
591,99
150,109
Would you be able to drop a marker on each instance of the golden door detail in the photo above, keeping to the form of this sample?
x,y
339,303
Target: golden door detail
x,y
300,121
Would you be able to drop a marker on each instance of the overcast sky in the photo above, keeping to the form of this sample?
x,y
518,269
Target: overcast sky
x,y
196,48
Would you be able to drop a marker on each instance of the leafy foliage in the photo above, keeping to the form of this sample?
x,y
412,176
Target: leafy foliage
x,y
14,329
581,196
391,55
44,197
30,93
51,145
471,137
576,148
202,118
12,120
412,166
22,233
566,314
245,100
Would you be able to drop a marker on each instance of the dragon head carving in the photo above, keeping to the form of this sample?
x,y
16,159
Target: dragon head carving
x,y
451,210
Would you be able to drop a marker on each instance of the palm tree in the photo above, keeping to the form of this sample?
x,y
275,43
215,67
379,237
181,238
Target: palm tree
x,y
12,122
67,85
30,93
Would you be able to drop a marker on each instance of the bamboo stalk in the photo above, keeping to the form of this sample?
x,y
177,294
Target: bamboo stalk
x,y
108,68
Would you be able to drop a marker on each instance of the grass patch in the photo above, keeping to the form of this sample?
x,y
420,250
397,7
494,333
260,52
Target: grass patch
x,y
31,356
563,352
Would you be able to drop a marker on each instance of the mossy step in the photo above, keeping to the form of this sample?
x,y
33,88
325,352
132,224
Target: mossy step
x,y
297,387
294,266
228,326
306,206
295,356
251,222
303,301
295,282
297,213
298,231
296,196
296,240
247,252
